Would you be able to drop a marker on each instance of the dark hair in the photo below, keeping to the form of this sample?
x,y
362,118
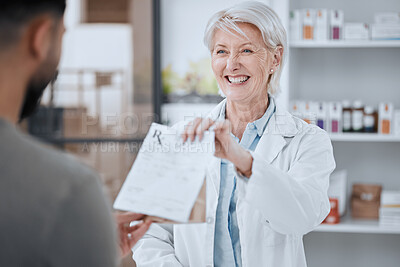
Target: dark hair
x,y
14,14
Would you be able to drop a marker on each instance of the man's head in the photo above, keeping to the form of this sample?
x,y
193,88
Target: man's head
x,y
33,29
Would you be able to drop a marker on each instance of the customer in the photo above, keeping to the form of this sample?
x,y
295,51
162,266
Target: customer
x,y
268,186
52,209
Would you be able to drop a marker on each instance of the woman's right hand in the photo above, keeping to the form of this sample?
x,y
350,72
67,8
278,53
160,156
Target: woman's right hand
x,y
225,146
224,142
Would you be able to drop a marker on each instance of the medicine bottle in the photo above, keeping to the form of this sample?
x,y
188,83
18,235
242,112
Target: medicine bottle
x,y
308,24
346,116
369,119
357,116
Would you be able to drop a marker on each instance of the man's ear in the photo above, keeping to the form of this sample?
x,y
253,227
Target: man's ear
x,y
40,37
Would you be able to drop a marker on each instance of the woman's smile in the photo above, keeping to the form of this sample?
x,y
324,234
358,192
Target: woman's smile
x,y
237,79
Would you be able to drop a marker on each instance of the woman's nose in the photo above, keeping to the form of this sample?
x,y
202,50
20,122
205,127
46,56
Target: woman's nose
x,y
233,63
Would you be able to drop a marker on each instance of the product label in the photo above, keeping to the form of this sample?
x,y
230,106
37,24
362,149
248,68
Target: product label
x,y
335,126
320,123
385,126
346,121
308,32
357,120
368,121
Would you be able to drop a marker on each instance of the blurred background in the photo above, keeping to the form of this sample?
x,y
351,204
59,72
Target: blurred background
x,y
128,63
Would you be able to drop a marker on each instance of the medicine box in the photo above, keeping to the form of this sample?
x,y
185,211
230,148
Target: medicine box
x,y
295,25
322,115
310,110
385,118
356,31
396,122
335,117
308,23
336,24
321,25
387,17
338,189
295,108
385,31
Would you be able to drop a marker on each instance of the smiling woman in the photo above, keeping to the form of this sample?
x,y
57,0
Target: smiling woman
x,y
242,63
267,185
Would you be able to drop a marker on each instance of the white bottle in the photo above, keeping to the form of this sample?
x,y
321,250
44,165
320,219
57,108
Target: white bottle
x,y
346,107
357,116
369,119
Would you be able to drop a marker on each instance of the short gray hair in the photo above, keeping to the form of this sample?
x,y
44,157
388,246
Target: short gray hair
x,y
259,15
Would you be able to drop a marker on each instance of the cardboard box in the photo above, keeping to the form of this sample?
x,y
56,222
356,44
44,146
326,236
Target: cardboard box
x,y
365,201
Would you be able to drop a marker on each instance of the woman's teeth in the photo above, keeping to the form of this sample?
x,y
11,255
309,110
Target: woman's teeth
x,y
237,80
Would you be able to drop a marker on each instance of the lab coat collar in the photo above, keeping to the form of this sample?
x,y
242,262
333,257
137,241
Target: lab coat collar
x,y
260,123
280,127
281,122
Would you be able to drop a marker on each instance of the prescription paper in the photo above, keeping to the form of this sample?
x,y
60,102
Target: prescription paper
x,y
167,175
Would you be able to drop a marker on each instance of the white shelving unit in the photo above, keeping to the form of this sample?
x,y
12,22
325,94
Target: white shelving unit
x,y
364,137
350,225
345,44
338,70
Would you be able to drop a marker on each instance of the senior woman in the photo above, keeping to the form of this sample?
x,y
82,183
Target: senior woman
x,y
267,185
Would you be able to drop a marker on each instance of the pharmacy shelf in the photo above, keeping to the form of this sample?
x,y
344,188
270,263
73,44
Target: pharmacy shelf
x,y
344,43
364,137
349,225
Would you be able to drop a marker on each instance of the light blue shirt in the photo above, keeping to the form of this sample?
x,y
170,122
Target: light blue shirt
x,y
227,250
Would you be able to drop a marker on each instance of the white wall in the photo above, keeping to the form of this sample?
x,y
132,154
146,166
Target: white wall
x,y
183,23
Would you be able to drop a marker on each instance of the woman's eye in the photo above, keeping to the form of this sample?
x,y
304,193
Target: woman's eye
x,y
247,51
220,52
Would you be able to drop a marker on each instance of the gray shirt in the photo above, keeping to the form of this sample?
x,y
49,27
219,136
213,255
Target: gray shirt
x,y
52,208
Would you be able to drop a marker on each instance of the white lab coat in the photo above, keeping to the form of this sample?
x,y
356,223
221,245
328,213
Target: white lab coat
x,y
285,198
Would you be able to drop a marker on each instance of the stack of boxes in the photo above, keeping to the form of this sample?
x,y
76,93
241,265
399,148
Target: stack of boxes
x,y
327,24
389,212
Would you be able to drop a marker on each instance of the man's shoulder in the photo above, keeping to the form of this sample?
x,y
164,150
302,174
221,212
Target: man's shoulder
x,y
48,169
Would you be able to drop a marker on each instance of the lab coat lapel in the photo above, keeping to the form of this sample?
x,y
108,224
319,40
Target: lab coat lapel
x,y
272,142
215,165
